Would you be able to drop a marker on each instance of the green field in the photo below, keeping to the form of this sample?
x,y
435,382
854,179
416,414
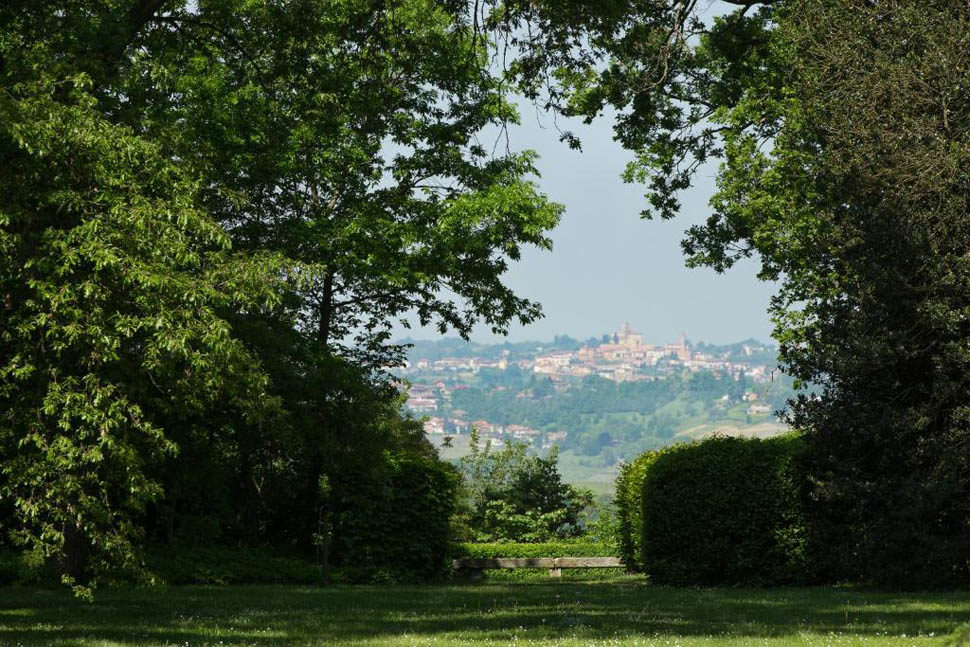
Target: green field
x,y
617,612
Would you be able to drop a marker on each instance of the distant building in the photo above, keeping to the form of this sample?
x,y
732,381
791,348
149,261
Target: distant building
x,y
759,410
421,405
434,426
486,428
552,363
679,349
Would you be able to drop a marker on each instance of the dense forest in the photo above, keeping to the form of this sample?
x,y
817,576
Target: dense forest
x,y
213,212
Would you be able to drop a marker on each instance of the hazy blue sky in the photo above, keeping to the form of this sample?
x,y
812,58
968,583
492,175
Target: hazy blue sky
x,y
608,266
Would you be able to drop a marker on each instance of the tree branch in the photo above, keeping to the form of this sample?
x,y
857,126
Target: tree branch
x,y
141,13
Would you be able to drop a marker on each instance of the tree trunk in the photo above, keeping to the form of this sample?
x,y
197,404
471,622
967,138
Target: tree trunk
x,y
326,311
171,511
76,554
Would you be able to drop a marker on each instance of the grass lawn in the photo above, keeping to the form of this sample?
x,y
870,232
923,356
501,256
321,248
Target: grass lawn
x,y
621,611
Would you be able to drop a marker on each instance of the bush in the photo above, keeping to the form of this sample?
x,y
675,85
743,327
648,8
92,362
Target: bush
x,y
564,548
568,548
726,511
19,567
629,508
197,564
513,495
399,530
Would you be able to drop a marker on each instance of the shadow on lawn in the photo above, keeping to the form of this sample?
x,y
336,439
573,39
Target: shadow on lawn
x,y
290,615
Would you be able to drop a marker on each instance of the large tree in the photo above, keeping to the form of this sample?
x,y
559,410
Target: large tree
x,y
843,172
336,147
347,137
876,282
111,281
353,138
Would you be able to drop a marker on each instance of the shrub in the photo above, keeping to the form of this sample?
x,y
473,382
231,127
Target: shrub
x,y
566,548
726,511
562,548
629,508
192,563
513,495
399,529
20,567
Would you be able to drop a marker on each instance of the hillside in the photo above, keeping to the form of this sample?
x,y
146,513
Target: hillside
x,y
602,401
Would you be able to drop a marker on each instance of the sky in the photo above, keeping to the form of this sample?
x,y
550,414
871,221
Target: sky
x,y
608,265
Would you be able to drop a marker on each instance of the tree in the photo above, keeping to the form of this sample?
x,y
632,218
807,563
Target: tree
x,y
883,291
112,281
849,194
842,173
334,146
346,138
511,495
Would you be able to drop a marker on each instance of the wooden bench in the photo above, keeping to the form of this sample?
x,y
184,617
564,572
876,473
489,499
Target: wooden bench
x,y
554,564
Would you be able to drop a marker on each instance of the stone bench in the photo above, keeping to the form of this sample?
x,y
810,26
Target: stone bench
x,y
554,564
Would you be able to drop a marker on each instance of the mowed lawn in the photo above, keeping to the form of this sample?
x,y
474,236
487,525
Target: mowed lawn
x,y
621,611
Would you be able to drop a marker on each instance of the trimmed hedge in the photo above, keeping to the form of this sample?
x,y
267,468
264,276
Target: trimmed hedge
x,y
401,530
567,548
726,511
492,550
629,509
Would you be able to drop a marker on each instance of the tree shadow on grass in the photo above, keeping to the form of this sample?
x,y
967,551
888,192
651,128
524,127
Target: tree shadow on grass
x,y
276,615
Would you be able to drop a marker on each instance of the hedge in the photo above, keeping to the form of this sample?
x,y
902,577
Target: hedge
x,y
629,508
492,550
567,548
400,530
726,511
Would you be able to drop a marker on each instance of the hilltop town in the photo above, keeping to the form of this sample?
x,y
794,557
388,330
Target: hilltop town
x,y
539,373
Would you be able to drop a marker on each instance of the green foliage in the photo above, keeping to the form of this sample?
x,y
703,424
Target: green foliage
x,y
841,151
353,151
604,418
208,564
113,283
580,547
726,511
342,136
883,290
397,528
844,134
602,524
512,495
210,215
629,509
18,568
960,637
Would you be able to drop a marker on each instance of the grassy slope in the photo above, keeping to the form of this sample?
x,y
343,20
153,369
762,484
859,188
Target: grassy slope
x,y
621,612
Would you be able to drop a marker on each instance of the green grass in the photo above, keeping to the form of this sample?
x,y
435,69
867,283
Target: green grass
x,y
620,612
